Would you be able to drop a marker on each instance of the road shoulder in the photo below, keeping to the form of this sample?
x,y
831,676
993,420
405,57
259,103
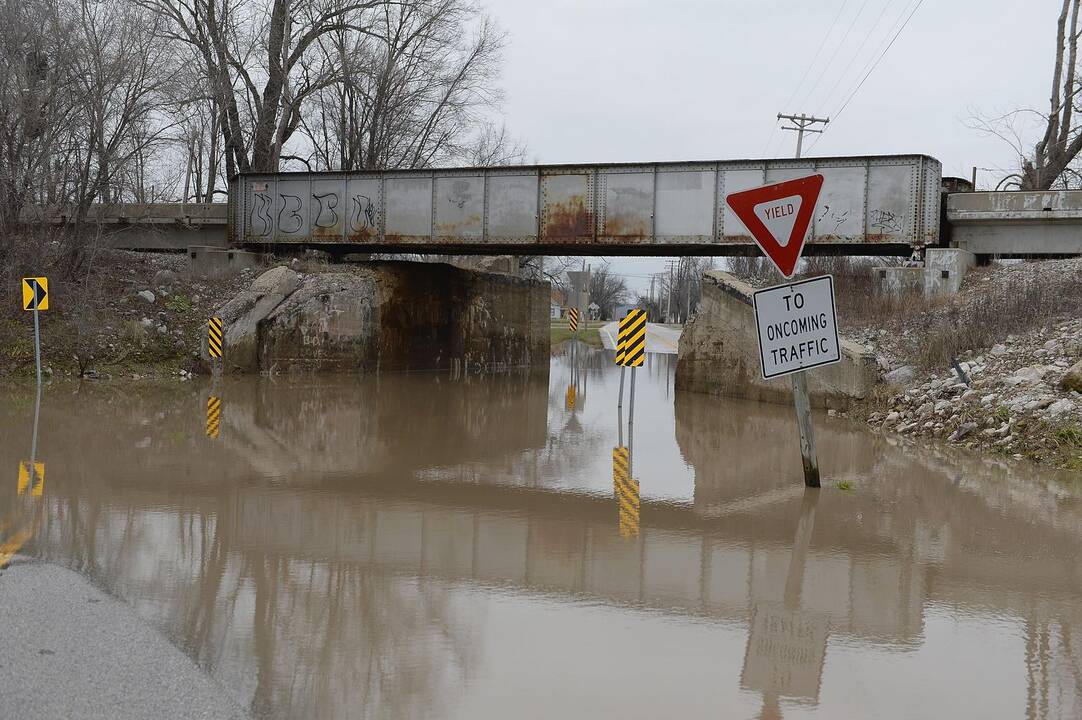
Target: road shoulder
x,y
69,650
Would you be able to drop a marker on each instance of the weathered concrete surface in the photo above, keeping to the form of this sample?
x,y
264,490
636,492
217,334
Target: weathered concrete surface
x,y
942,274
719,354
212,262
1017,223
70,651
241,315
387,316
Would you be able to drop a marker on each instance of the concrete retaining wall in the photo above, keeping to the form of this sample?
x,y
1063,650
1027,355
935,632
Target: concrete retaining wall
x,y
719,354
387,316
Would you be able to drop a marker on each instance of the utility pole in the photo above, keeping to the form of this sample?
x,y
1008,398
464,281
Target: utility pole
x,y
803,123
801,401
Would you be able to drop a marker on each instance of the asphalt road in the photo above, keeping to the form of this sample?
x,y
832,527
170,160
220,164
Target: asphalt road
x,y
659,338
67,650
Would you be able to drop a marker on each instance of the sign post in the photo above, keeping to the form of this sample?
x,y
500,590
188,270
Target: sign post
x,y
631,352
798,325
36,298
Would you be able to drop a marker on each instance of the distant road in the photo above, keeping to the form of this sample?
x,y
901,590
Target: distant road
x,y
659,338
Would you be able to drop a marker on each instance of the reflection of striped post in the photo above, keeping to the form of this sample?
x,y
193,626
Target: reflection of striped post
x,y
569,399
214,338
214,416
626,490
573,319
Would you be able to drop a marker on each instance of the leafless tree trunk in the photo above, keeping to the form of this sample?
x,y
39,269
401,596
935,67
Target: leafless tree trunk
x,y
1048,162
1061,141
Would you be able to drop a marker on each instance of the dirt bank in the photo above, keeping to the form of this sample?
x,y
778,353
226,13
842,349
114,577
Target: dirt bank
x,y
136,314
1015,331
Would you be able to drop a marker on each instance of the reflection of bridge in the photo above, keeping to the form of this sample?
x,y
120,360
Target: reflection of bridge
x,y
327,526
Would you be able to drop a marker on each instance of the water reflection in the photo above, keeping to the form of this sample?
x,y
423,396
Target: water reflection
x,y
413,547
786,644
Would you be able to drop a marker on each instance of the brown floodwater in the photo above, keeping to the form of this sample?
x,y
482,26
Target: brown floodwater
x,y
421,546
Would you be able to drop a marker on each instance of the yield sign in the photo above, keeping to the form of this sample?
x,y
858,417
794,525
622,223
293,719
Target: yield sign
x,y
778,216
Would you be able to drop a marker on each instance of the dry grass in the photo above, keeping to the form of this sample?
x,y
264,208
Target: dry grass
x,y
1014,300
1015,305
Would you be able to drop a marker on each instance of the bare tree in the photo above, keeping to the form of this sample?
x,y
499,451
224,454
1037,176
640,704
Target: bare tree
x,y
1049,161
37,105
119,68
414,91
261,64
607,290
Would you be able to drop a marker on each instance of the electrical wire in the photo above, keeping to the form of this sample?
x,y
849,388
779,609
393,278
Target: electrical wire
x,y
860,84
867,37
835,53
807,69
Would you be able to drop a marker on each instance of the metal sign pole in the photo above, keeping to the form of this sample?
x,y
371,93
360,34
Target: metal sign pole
x,y
34,440
631,423
37,340
620,397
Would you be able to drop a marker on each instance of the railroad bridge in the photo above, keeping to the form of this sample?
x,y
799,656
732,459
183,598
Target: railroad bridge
x,y
870,205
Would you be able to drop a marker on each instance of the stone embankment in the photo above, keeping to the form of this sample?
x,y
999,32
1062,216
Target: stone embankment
x,y
1024,391
386,316
1024,398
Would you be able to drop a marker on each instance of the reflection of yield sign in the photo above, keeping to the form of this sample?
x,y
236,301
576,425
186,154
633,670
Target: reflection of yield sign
x,y
778,216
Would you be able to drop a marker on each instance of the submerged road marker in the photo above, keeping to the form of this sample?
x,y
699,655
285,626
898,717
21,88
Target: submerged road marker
x,y
31,482
778,216
214,416
626,490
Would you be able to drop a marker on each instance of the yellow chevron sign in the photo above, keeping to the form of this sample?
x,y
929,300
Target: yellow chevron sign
x,y
214,416
573,319
36,293
626,490
631,342
37,488
214,337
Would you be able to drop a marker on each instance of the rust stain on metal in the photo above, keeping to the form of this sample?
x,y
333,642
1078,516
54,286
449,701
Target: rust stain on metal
x,y
329,233
363,235
627,230
453,228
569,220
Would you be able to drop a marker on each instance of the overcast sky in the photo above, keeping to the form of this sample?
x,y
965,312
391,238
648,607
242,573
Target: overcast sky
x,y
638,80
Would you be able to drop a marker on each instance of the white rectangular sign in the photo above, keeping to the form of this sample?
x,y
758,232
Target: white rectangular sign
x,y
797,326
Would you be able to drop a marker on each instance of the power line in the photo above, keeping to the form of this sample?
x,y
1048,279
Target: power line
x,y
867,37
873,67
833,55
807,69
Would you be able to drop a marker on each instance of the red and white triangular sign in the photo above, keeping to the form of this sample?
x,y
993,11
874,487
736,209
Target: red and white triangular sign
x,y
778,216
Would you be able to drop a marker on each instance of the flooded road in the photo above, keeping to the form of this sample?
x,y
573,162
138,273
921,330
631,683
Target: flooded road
x,y
417,547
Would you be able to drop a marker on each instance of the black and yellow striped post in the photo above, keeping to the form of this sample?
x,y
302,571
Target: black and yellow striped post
x,y
214,338
631,341
626,490
573,320
214,416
